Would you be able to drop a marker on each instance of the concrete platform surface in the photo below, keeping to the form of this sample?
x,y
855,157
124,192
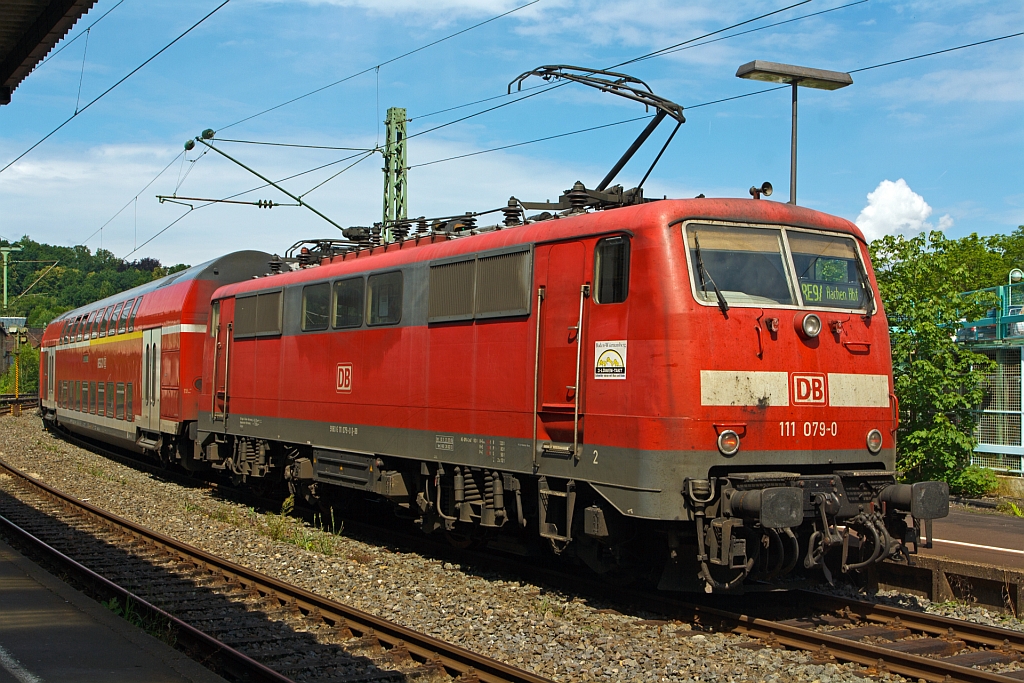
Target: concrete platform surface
x,y
979,536
50,632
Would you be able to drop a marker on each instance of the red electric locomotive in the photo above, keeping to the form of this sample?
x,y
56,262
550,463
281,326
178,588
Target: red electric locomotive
x,y
622,383
699,390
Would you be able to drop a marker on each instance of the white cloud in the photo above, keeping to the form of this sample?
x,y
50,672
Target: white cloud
x,y
894,208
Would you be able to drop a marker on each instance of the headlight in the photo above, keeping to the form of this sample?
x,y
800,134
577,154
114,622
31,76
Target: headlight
x,y
810,326
728,442
874,441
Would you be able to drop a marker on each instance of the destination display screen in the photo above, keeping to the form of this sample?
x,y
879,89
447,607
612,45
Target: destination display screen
x,y
828,270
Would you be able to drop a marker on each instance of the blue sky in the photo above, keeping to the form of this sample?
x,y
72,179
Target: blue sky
x,y
937,142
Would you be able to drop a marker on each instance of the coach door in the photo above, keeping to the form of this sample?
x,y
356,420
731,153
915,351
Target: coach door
x,y
560,351
151,380
50,362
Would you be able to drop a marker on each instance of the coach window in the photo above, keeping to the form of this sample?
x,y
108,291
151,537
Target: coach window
x,y
92,397
102,332
85,397
120,401
611,270
348,303
385,298
135,309
316,306
122,325
112,325
110,399
76,332
101,401
129,412
88,325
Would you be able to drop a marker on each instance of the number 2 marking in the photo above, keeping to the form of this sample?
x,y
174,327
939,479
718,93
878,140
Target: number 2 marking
x,y
595,456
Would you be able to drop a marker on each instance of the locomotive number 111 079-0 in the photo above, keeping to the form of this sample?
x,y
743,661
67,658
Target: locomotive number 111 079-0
x,y
809,429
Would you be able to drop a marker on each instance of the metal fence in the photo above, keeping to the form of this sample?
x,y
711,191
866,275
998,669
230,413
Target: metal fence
x,y
999,418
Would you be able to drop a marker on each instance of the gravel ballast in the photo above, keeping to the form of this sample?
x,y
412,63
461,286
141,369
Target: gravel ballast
x,y
507,619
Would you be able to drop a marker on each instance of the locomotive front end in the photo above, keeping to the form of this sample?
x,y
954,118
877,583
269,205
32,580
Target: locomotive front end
x,y
794,432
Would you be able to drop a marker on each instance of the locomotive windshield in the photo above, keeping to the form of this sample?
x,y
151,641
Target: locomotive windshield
x,y
775,267
746,264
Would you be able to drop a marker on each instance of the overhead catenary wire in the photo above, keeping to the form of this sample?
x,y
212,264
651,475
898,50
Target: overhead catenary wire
x,y
108,90
566,134
636,59
759,28
938,52
711,102
290,144
232,196
377,66
129,202
660,54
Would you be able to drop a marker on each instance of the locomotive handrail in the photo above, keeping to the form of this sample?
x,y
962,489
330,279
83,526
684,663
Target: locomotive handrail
x,y
584,292
536,375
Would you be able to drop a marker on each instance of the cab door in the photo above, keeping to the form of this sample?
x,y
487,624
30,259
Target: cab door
x,y
150,418
222,333
561,308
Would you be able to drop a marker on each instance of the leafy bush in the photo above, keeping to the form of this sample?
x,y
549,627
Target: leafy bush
x,y
974,482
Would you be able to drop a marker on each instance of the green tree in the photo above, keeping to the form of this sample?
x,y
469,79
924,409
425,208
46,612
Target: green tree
x,y
28,373
938,382
41,292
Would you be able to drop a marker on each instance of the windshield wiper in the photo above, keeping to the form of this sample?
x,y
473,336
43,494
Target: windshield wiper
x,y
702,272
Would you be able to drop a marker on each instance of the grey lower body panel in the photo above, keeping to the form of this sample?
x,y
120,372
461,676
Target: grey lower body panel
x,y
644,484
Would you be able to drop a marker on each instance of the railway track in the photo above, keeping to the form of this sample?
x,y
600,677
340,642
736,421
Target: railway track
x,y
249,626
8,403
887,640
882,638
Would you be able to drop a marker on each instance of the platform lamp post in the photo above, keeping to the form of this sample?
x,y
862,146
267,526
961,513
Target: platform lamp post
x,y
795,76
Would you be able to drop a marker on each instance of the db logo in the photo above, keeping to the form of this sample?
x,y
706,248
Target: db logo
x,y
809,388
344,378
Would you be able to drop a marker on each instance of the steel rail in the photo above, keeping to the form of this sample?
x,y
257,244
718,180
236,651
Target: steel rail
x,y
932,624
200,645
456,660
794,637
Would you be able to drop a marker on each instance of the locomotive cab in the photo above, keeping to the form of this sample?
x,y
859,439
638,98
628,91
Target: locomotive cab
x,y
796,401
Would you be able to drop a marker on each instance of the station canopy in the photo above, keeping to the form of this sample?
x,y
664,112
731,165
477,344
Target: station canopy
x,y
29,29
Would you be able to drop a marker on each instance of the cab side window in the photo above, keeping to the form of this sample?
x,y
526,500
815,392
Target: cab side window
x,y
316,306
385,299
611,270
348,303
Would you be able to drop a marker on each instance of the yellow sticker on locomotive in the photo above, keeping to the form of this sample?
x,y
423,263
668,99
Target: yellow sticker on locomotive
x,y
610,360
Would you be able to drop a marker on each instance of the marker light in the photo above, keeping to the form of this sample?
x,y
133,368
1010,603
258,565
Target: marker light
x,y
874,441
728,442
809,327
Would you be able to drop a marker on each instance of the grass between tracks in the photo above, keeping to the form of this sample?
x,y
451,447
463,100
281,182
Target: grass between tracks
x,y
321,537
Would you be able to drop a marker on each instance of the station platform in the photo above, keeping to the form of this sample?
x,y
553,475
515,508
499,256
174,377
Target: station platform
x,y
50,633
979,536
